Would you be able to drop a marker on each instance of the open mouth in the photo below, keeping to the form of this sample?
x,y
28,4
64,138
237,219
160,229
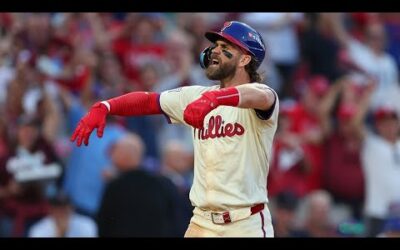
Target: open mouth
x,y
214,61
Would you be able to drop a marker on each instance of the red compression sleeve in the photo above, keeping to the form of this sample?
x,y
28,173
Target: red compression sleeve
x,y
227,96
135,103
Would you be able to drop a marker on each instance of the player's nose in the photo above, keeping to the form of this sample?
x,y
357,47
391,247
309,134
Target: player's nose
x,y
215,55
216,50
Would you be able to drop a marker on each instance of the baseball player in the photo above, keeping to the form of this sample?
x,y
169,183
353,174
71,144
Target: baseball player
x,y
233,125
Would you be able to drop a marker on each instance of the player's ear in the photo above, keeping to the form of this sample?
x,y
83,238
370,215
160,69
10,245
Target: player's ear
x,y
244,60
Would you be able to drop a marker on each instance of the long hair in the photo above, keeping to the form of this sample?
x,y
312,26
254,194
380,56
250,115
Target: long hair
x,y
251,69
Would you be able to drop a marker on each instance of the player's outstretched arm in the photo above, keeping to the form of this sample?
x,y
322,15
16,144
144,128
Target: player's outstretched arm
x,y
252,95
131,104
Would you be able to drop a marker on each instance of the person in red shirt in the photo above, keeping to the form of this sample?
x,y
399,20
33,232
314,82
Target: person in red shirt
x,y
342,169
290,165
143,48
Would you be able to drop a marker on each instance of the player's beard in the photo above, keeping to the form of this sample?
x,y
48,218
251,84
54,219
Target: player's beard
x,y
221,71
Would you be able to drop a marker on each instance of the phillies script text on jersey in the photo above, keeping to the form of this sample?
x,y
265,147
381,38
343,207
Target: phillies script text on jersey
x,y
217,129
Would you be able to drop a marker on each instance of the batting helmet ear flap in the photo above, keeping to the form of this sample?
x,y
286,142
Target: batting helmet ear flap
x,y
205,56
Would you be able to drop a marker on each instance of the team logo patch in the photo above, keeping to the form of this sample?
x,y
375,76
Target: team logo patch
x,y
226,25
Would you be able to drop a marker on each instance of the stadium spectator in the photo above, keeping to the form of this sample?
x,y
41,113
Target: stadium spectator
x,y
177,165
370,57
137,203
343,142
381,162
86,193
30,173
279,31
317,221
284,210
62,221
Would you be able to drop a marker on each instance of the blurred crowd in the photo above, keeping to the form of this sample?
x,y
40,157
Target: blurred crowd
x,y
335,170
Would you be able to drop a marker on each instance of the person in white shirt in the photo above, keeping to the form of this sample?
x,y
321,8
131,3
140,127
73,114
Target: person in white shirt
x,y
370,57
381,164
279,29
62,221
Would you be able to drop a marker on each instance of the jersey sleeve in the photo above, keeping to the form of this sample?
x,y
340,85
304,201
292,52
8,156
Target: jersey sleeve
x,y
266,114
269,117
173,102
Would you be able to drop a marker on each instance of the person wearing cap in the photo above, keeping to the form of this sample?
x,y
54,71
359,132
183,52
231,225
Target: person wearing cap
x,y
297,160
342,173
62,221
381,164
233,124
25,198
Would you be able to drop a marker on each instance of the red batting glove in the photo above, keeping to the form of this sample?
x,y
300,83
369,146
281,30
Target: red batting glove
x,y
196,111
95,118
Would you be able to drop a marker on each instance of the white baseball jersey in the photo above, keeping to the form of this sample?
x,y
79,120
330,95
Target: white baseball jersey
x,y
231,153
